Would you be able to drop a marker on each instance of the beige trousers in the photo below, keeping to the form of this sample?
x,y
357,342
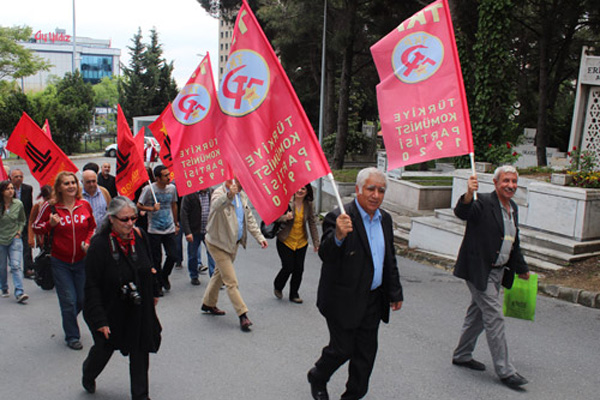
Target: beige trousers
x,y
224,274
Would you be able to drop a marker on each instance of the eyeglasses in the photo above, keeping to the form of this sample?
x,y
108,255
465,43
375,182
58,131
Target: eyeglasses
x,y
125,219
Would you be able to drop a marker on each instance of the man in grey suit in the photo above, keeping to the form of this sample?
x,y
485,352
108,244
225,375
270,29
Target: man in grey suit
x,y
358,286
489,256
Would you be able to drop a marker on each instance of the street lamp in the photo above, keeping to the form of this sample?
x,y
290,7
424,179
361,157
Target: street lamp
x,y
321,102
74,65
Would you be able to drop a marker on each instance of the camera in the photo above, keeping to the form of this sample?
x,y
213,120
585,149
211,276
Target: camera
x,y
129,292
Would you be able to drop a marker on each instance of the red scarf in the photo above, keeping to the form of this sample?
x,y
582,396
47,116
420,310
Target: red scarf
x,y
125,244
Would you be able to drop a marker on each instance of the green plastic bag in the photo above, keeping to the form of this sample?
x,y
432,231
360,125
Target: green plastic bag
x,y
519,301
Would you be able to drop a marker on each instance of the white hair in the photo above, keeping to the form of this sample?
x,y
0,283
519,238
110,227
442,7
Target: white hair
x,y
505,169
365,173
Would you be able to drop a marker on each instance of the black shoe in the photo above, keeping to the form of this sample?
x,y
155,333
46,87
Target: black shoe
x,y
278,294
471,364
160,293
515,381
75,345
195,281
88,384
166,284
245,323
318,390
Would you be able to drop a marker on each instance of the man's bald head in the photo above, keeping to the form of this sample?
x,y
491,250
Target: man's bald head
x,y
90,181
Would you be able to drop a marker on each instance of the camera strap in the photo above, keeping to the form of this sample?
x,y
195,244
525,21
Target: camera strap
x,y
130,260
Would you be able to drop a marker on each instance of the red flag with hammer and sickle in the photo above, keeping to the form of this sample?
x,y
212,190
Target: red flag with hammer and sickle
x,y
264,132
422,102
189,125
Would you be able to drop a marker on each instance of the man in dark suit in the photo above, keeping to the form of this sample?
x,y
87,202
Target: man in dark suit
x,y
195,208
107,181
489,256
24,192
358,286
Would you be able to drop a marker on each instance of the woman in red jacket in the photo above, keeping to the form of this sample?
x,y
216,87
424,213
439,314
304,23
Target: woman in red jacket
x,y
70,222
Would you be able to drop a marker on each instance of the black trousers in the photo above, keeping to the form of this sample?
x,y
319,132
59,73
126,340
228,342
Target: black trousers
x,y
167,240
292,263
139,363
358,345
27,255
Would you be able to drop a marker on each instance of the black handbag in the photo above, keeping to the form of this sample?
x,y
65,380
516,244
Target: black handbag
x,y
42,267
271,230
43,270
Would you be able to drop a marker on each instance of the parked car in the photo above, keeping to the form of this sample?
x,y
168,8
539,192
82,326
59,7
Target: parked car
x,y
111,150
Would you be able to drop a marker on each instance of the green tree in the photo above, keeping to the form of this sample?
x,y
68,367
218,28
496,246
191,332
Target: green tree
x,y
14,103
148,85
106,96
15,60
68,105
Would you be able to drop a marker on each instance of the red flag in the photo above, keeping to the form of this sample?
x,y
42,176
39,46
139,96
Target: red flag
x,y
422,102
190,122
159,131
46,129
44,158
139,142
3,174
131,173
264,133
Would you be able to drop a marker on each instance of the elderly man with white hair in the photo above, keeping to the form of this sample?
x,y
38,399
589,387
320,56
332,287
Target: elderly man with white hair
x,y
489,256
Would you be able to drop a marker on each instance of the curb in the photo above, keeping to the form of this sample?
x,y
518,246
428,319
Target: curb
x,y
577,296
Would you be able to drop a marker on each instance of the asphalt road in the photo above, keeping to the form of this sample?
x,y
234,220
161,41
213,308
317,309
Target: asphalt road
x,y
207,357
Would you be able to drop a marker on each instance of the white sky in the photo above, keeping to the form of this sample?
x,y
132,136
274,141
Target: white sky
x,y
184,28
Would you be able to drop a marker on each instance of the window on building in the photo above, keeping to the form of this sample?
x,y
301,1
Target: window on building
x,y
94,68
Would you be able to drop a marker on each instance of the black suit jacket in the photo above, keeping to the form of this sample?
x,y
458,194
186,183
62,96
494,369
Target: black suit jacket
x,y
347,271
482,241
109,184
26,198
191,213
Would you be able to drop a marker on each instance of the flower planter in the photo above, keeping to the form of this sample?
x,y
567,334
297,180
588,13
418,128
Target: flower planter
x,y
561,179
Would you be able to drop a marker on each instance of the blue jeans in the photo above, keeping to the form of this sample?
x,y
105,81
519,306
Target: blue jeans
x,y
12,254
69,280
194,255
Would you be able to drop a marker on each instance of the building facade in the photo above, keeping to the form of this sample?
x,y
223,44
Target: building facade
x,y
94,58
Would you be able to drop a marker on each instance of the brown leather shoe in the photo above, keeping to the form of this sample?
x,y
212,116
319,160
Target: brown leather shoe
x,y
245,323
212,310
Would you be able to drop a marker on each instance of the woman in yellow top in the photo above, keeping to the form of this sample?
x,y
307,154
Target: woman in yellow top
x,y
292,242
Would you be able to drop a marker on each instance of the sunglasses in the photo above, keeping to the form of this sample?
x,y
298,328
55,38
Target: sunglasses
x,y
125,219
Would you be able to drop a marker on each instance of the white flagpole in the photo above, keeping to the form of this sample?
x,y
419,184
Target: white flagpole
x,y
152,190
337,194
472,157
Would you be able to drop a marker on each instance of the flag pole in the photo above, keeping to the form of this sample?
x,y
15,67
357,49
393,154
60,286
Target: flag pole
x,y
152,190
337,194
472,157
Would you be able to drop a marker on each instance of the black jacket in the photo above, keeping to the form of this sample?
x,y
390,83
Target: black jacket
x,y
482,241
191,213
347,271
132,326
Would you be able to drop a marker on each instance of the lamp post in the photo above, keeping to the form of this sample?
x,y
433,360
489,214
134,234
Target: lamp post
x,y
74,65
321,102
